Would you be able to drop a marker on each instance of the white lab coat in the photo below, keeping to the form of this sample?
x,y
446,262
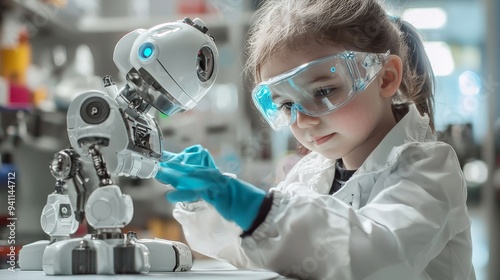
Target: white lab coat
x,y
402,215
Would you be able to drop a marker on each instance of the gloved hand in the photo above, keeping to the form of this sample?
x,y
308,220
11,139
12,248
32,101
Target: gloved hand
x,y
194,155
195,177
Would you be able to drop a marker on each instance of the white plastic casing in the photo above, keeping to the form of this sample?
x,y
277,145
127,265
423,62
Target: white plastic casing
x,y
118,157
173,63
57,217
107,207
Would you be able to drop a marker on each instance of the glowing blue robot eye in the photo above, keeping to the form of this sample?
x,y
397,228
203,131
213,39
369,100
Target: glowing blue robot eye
x,y
146,51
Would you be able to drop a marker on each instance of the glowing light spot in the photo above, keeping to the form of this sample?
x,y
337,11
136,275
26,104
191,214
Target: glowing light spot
x,y
469,83
426,18
146,51
441,58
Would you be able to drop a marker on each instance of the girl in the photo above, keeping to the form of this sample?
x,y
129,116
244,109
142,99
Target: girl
x,y
377,197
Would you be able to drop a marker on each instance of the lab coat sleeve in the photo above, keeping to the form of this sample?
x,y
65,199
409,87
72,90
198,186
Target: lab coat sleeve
x,y
419,207
208,233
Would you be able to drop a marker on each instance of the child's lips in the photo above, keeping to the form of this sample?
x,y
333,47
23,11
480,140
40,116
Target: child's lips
x,y
322,139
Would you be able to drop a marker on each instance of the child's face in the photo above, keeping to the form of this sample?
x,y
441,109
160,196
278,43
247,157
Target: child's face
x,y
352,131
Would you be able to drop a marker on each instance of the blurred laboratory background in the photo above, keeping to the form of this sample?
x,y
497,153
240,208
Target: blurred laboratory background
x,y
51,50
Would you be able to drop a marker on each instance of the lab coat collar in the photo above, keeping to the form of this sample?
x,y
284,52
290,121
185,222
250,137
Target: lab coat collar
x,y
413,127
410,129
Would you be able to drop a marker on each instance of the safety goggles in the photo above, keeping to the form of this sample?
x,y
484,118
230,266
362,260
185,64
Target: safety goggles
x,y
317,87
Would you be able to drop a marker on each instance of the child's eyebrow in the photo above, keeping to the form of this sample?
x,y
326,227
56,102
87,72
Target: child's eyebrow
x,y
323,78
278,96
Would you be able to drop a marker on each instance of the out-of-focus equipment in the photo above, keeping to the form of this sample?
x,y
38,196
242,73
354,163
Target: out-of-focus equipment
x,y
460,137
169,67
14,62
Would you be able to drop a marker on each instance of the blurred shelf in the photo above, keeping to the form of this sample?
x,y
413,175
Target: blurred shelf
x,y
71,21
124,24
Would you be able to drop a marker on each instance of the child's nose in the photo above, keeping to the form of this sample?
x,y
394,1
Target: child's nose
x,y
304,120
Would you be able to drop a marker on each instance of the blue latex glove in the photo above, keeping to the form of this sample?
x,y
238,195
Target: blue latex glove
x,y
194,179
194,155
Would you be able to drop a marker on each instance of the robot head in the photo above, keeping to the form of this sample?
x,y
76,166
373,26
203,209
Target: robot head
x,y
171,65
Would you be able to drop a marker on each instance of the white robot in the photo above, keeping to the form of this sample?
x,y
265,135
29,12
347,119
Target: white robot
x,y
169,67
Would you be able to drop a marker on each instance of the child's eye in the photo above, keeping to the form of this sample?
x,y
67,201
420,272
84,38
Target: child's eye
x,y
324,92
286,105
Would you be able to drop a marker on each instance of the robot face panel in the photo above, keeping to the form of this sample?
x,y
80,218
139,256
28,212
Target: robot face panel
x,y
205,64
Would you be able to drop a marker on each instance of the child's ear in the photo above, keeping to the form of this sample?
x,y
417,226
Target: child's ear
x,y
391,76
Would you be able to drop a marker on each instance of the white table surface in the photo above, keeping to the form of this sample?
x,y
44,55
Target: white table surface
x,y
202,269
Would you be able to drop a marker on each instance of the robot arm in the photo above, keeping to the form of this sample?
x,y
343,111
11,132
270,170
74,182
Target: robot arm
x,y
169,67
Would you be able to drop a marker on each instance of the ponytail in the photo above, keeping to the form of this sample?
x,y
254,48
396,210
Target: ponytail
x,y
418,82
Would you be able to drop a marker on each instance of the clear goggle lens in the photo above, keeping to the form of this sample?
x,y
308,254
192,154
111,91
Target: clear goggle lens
x,y
317,87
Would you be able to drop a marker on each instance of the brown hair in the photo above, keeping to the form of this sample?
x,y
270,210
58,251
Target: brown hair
x,y
359,25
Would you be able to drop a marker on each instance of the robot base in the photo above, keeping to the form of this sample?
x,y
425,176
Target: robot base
x,y
166,255
109,256
31,255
